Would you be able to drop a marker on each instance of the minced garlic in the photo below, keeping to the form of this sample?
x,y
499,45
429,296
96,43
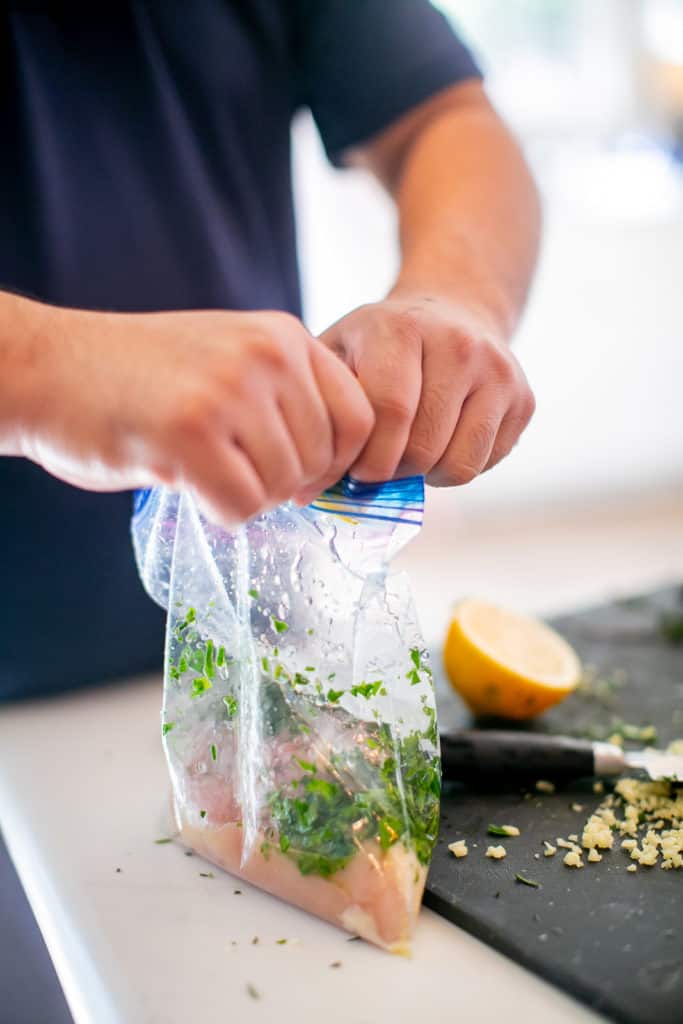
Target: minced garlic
x,y
573,859
549,850
459,848
496,852
543,786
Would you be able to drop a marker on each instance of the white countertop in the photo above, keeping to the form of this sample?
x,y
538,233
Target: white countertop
x,y
83,786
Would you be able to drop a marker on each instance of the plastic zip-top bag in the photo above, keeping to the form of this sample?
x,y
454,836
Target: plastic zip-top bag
x,y
298,719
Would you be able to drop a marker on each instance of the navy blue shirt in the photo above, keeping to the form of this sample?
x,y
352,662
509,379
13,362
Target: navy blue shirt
x,y
145,166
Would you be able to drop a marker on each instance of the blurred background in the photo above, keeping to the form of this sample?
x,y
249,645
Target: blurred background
x,y
591,502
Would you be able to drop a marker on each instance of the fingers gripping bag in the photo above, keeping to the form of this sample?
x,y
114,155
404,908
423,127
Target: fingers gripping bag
x,y
298,719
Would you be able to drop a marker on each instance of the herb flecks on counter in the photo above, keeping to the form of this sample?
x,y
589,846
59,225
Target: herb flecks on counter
x,y
523,880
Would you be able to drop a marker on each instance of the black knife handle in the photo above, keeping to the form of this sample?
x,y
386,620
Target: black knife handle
x,y
490,754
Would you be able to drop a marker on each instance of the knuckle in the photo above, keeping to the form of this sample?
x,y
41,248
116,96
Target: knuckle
x,y
462,473
503,367
360,421
394,407
419,456
270,350
480,441
192,416
406,328
461,346
527,404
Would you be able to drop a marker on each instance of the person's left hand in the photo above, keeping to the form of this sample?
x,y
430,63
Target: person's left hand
x,y
450,398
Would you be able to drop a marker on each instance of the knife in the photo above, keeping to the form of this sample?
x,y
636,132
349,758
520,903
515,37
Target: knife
x,y
495,755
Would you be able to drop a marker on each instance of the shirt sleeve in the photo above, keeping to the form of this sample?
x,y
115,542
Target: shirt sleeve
x,y
361,64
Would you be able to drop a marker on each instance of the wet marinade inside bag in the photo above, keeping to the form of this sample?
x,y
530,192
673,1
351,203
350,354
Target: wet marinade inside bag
x,y
299,719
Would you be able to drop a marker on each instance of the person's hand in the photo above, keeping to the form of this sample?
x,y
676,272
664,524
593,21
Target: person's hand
x,y
245,410
449,397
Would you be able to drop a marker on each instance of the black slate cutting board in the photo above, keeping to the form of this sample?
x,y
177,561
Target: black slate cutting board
x,y
611,938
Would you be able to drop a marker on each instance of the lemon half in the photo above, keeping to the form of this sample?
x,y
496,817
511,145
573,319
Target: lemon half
x,y
506,664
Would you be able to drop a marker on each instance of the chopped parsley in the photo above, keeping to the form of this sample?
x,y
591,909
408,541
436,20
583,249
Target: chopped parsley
x,y
161,842
334,695
202,814
209,670
220,657
214,753
206,874
199,686
527,881
253,592
166,728
366,690
279,626
231,705
497,830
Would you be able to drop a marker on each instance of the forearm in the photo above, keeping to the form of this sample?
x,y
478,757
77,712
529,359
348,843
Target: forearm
x,y
468,208
24,335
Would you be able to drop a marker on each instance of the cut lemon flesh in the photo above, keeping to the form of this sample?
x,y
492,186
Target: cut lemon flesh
x,y
506,664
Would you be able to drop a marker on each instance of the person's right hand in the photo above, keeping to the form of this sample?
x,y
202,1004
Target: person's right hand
x,y
245,410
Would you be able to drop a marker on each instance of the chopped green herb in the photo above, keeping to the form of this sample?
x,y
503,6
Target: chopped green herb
x,y
253,593
327,790
202,814
214,753
161,842
353,938
281,942
253,992
220,657
373,744
182,665
366,690
527,881
265,665
284,843
184,623
231,705
332,675
307,766
166,728
200,686
278,671
309,668
497,830
208,660
300,680
310,631
415,658
413,676
279,626
389,832
334,695
206,874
